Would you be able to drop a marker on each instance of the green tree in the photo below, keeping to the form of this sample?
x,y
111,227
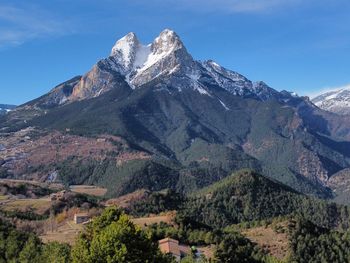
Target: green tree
x,y
55,252
113,238
31,251
235,248
14,244
191,259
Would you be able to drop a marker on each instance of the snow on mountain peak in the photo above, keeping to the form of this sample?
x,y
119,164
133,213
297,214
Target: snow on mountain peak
x,y
165,57
213,64
4,108
136,61
124,49
337,101
132,55
167,41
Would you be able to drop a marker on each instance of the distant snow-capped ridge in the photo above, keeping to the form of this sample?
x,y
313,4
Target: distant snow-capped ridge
x,y
337,101
165,61
4,108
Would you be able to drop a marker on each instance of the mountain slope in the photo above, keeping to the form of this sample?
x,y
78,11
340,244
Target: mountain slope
x,y
248,196
188,123
4,108
337,101
176,126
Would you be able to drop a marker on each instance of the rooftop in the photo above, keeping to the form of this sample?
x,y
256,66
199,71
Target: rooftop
x,y
169,245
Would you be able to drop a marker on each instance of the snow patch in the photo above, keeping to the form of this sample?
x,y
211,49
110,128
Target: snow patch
x,y
4,109
152,59
194,77
124,48
201,90
63,100
223,104
227,79
174,69
142,55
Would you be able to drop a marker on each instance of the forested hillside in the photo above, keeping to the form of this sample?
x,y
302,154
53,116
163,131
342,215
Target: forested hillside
x,y
249,196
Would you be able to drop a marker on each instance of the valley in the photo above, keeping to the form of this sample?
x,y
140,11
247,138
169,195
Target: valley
x,y
151,146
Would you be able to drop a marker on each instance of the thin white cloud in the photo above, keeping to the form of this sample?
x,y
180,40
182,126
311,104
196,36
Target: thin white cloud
x,y
230,6
253,6
21,24
329,89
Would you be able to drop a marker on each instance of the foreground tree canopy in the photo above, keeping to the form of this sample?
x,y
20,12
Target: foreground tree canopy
x,y
112,237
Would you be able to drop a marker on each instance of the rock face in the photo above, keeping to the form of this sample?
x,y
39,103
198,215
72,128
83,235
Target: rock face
x,y
184,124
337,101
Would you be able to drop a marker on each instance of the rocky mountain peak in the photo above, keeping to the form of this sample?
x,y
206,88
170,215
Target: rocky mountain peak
x,y
165,59
125,49
263,91
167,41
134,59
164,56
125,43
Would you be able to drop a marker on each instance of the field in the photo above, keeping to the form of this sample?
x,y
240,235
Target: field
x,y
276,243
88,189
3,197
147,221
39,205
126,200
52,186
66,233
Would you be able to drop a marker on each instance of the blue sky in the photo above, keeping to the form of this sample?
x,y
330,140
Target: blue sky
x,y
296,45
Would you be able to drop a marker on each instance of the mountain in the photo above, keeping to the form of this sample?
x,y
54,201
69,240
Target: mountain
x,y
4,108
151,116
137,65
337,101
247,196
